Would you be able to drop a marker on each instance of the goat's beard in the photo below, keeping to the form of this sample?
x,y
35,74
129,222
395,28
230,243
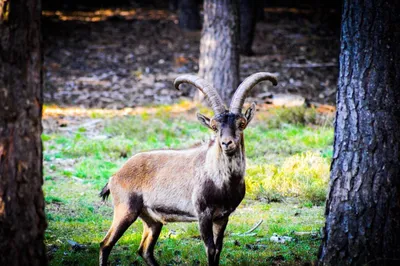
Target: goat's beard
x,y
230,152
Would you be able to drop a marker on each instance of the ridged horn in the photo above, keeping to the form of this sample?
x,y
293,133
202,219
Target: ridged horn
x,y
209,91
241,93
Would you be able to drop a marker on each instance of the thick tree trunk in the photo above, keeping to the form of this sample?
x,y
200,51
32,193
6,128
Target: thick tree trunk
x,y
219,57
22,217
363,209
248,18
189,15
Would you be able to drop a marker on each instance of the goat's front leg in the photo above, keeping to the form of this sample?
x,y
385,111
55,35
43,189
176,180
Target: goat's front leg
x,y
218,231
206,232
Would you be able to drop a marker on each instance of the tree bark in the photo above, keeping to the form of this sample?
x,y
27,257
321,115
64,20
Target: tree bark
x,y
22,217
219,57
363,209
248,18
189,15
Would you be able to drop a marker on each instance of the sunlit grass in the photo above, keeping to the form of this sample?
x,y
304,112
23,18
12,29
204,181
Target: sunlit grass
x,y
288,161
104,14
148,111
303,175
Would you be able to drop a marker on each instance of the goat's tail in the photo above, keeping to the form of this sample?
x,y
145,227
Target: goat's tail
x,y
105,192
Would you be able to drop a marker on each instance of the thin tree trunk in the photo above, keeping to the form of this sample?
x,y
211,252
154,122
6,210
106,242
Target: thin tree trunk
x,y
248,18
22,217
189,15
173,5
219,58
363,209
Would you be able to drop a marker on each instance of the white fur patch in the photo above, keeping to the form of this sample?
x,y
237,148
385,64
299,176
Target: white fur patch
x,y
220,167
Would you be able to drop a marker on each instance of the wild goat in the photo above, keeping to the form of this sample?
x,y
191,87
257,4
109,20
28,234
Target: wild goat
x,y
204,183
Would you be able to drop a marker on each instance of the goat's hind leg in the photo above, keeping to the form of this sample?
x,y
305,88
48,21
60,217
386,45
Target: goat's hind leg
x,y
124,216
151,232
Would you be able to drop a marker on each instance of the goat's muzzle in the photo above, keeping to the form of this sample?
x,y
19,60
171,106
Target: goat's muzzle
x,y
228,145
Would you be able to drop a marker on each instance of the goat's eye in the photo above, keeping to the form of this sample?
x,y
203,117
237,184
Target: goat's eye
x,y
242,124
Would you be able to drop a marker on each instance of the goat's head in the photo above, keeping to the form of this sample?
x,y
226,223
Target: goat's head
x,y
227,124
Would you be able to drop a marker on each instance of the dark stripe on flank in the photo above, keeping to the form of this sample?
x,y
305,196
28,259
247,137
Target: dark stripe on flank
x,y
172,211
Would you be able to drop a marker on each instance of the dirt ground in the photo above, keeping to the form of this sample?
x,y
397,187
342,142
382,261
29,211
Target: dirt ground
x,y
116,58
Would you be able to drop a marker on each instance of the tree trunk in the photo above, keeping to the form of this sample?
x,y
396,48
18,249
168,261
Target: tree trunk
x,y
219,58
189,15
22,217
363,209
173,5
248,17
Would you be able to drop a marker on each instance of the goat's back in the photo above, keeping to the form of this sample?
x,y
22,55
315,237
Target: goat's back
x,y
160,177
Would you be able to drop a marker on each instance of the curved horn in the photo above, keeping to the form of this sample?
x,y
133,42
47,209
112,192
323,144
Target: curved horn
x,y
208,90
241,92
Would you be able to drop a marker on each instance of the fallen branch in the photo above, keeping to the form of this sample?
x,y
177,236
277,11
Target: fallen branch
x,y
305,233
88,125
311,65
251,230
78,179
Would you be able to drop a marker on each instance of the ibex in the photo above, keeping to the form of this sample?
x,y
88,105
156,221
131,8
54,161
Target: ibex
x,y
204,183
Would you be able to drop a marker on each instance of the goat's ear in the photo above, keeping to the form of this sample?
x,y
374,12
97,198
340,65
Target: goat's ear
x,y
250,112
204,120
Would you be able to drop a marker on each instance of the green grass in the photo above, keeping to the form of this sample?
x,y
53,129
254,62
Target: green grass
x,y
304,176
288,154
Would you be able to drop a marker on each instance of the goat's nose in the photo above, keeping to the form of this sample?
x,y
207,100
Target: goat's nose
x,y
227,143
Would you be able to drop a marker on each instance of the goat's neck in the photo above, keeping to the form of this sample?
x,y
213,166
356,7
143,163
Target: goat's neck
x,y
224,167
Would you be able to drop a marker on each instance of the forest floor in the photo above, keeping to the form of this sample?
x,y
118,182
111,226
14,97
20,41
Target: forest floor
x,y
116,58
288,152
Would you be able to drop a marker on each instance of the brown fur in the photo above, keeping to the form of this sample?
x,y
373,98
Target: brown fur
x,y
204,183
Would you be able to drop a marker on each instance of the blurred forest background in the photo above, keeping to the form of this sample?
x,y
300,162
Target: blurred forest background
x,y
127,53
